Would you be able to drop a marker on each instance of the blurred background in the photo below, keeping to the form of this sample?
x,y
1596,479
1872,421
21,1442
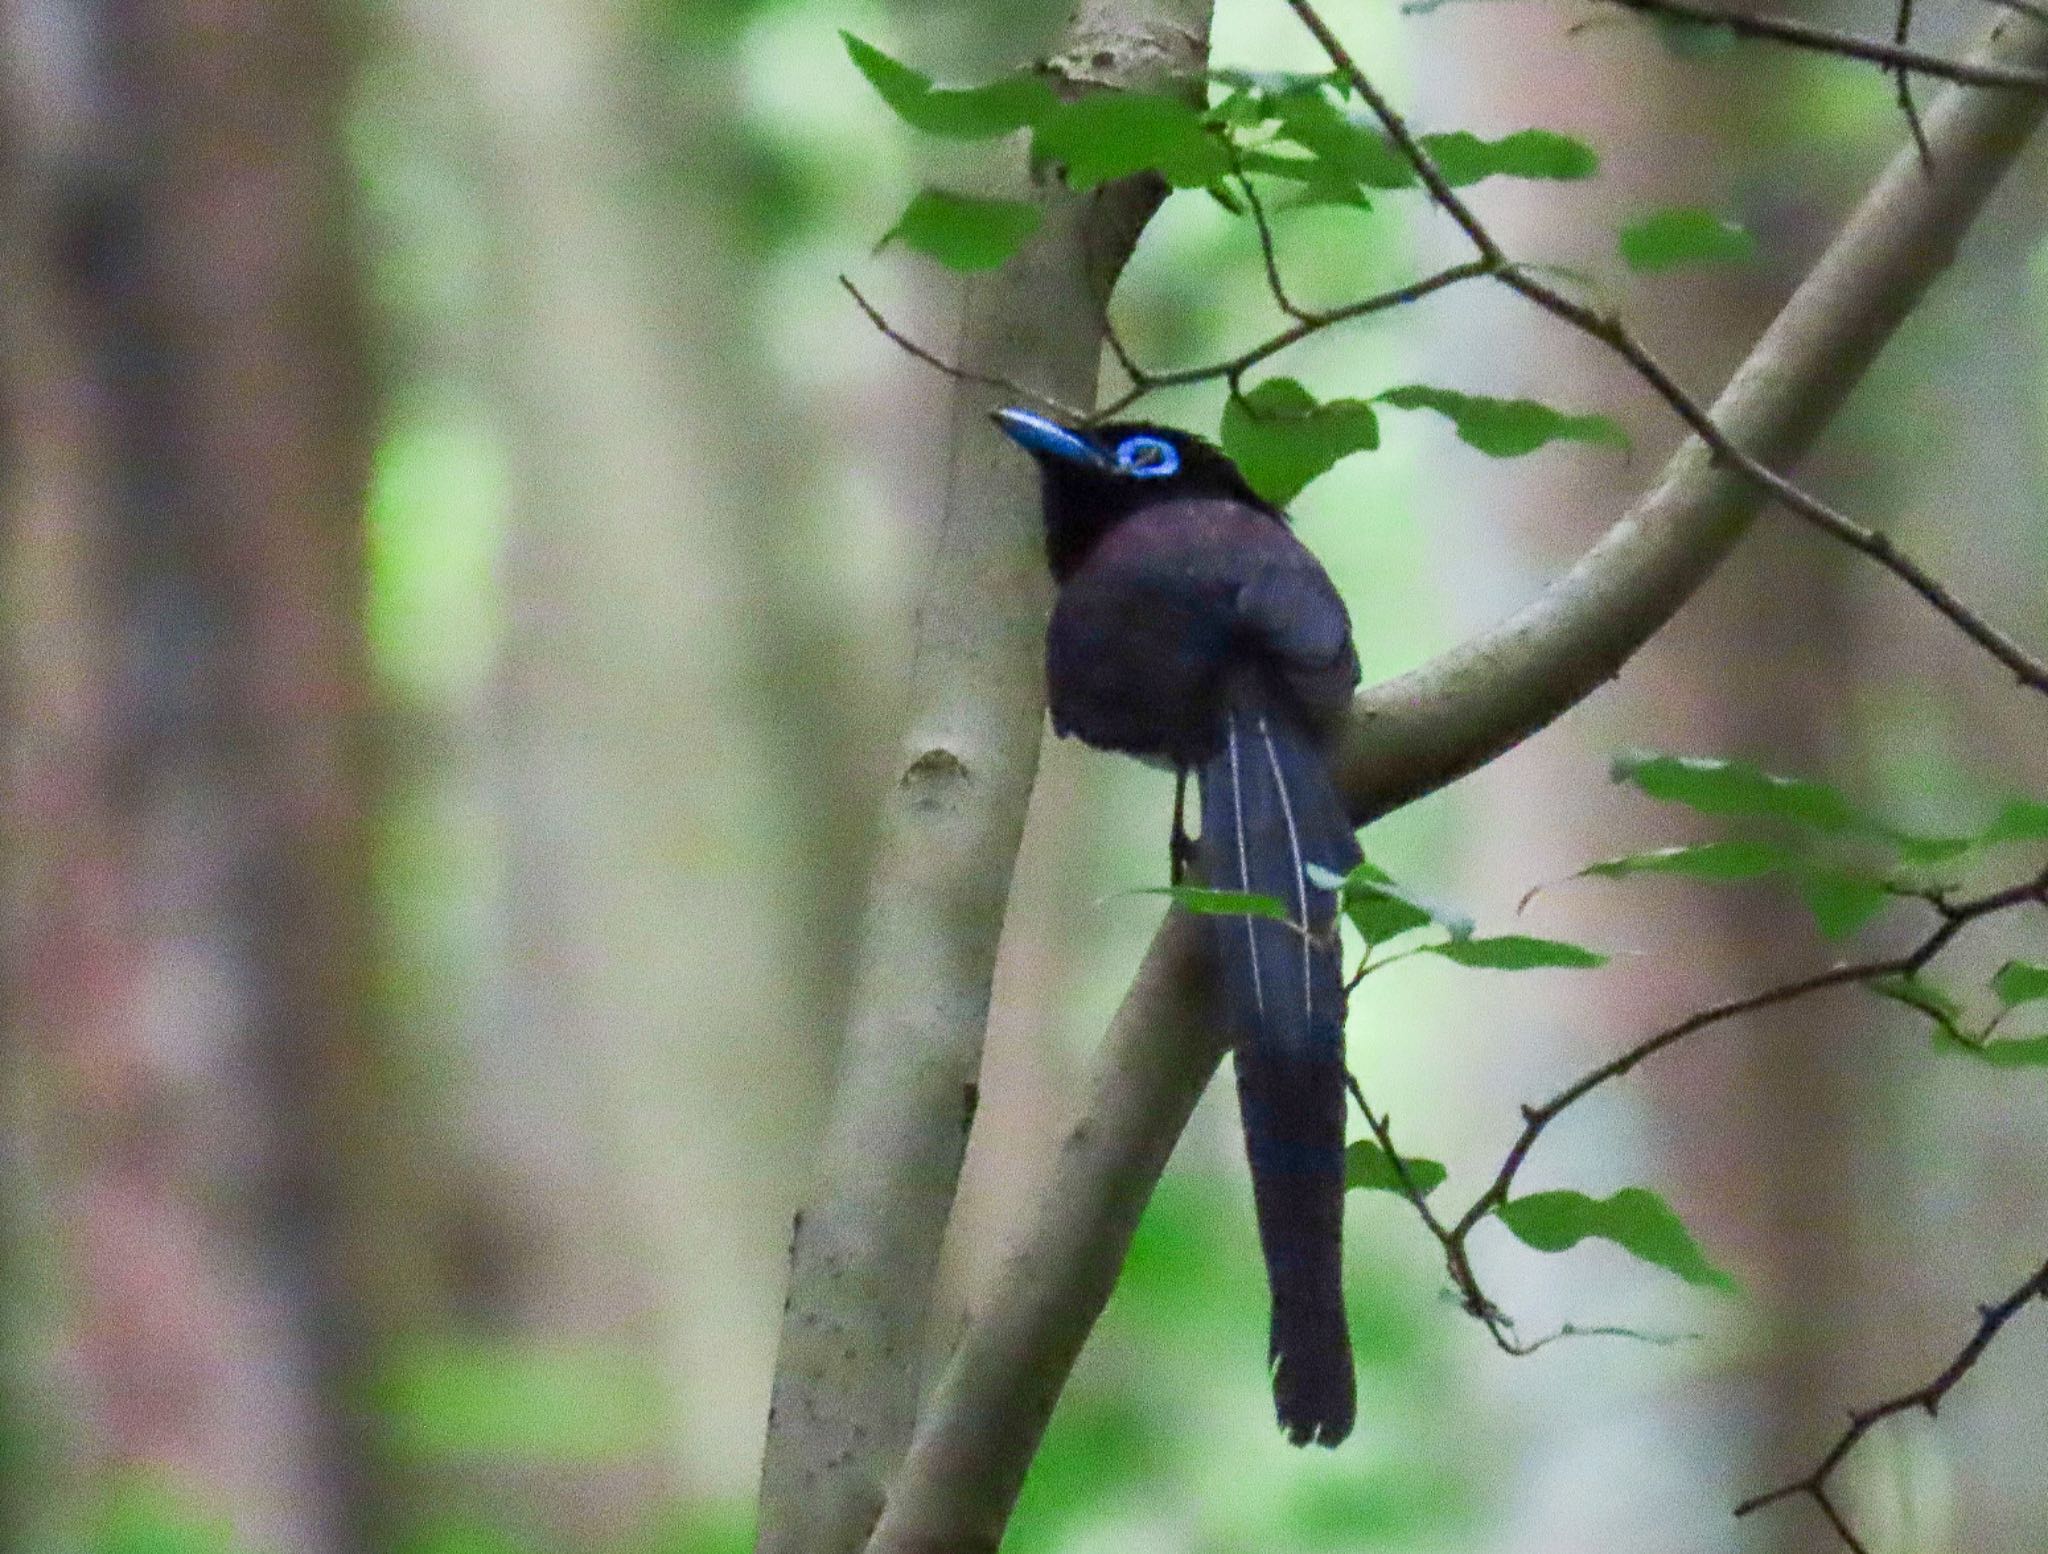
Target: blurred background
x,y
459,553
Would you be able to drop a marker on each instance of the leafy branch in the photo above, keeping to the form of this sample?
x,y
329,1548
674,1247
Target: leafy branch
x,y
1231,370
1193,150
1612,332
1452,1235
1637,1219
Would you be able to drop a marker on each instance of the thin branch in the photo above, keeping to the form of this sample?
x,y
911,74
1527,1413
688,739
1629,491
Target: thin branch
x,y
1902,34
1991,1320
1413,150
1952,919
1267,251
951,370
1823,40
1610,331
1144,381
2028,669
1235,367
1141,380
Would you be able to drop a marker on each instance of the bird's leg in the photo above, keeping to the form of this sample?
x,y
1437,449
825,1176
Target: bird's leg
x,y
1181,846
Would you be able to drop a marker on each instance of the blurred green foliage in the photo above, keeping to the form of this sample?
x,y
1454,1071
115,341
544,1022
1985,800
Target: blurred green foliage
x,y
1176,1369
1666,239
475,1396
141,1515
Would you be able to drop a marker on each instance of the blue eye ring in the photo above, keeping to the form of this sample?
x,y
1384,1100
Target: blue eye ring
x,y
1145,457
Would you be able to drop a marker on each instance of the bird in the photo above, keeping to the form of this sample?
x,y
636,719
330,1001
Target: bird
x,y
1192,629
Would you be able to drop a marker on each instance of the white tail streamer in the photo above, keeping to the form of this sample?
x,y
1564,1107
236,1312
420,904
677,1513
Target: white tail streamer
x,y
1300,876
1244,866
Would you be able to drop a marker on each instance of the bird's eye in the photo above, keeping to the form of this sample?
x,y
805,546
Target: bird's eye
x,y
1147,457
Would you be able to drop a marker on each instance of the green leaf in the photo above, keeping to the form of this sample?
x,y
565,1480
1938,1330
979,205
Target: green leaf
x,y
1841,902
1727,860
2020,982
1519,952
1504,428
1368,1166
1261,84
1320,184
501,1398
1204,902
2022,820
1928,998
1634,1219
1940,1006
976,113
1464,158
1931,849
1665,239
1380,913
2025,1052
137,1514
1281,439
1302,169
1718,787
1108,135
1351,151
964,232
1381,910
1223,196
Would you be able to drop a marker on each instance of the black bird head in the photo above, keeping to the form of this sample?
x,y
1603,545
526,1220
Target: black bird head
x,y
1094,477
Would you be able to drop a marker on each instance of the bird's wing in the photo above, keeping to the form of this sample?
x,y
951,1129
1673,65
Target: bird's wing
x,y
1206,577
1291,609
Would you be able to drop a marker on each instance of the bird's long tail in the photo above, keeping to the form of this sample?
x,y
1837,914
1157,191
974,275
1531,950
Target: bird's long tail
x,y
1269,811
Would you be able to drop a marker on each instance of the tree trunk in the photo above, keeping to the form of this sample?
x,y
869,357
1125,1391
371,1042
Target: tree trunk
x,y
191,783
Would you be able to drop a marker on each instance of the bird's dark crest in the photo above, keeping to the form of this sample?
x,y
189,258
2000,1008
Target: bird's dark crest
x,y
1084,499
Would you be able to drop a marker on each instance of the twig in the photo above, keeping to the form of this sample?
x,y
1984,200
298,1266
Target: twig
x,y
1780,29
1814,1485
1267,252
1144,382
951,370
1902,33
1619,338
1397,131
1952,918
1613,333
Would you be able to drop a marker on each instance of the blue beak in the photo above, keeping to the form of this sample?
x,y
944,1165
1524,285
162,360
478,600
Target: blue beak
x,y
1044,438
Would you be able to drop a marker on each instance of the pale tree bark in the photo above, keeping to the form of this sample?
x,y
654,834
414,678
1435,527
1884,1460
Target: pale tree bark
x,y
866,1249
645,691
1416,733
